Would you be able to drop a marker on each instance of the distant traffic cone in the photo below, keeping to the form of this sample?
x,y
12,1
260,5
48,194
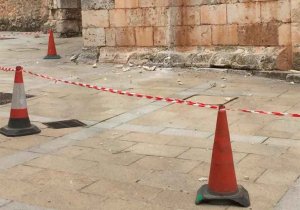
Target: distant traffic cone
x,y
19,123
222,185
51,47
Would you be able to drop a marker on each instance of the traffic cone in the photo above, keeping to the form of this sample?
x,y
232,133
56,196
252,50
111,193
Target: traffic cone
x,y
222,185
51,47
19,123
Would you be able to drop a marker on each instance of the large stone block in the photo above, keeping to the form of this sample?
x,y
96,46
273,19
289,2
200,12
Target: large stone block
x,y
296,58
126,3
191,15
276,11
125,36
259,34
97,4
93,37
144,36
296,34
213,14
95,19
156,16
110,34
243,13
67,4
225,34
135,17
118,18
295,10
284,34
193,36
67,14
161,37
67,26
198,35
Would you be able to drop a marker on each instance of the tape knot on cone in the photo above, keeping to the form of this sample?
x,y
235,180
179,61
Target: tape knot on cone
x,y
222,186
19,122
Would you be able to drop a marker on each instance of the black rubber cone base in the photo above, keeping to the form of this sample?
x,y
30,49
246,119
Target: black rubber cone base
x,y
241,197
52,57
14,132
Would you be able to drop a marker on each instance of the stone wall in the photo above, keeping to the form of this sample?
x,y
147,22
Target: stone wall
x,y
248,34
23,15
65,17
295,30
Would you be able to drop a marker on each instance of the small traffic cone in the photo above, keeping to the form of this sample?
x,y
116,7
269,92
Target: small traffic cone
x,y
19,123
222,185
51,47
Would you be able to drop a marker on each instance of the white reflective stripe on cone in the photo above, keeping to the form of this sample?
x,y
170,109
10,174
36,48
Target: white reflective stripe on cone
x,y
19,97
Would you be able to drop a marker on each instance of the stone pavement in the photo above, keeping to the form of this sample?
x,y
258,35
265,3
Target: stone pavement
x,y
136,153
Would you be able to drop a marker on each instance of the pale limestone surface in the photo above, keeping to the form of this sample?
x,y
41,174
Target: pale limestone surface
x,y
136,153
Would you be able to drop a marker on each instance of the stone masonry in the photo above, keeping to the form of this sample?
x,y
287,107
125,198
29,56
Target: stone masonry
x,y
23,15
252,34
65,17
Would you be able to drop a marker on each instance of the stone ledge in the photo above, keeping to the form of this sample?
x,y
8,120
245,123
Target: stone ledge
x,y
245,58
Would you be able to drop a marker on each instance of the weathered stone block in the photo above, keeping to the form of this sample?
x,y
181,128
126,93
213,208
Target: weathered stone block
x,y
293,78
95,19
258,34
191,16
67,26
67,4
276,11
110,34
192,36
284,34
67,14
118,18
93,37
161,36
198,35
296,34
135,17
88,55
213,14
200,59
126,3
125,36
295,10
225,34
144,36
155,16
97,4
296,60
243,12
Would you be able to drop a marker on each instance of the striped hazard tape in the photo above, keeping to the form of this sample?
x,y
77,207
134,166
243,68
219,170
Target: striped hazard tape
x,y
156,98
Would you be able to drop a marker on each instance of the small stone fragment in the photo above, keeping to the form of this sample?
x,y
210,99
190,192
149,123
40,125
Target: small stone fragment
x,y
119,66
95,65
125,69
246,177
223,86
213,84
148,68
227,99
203,179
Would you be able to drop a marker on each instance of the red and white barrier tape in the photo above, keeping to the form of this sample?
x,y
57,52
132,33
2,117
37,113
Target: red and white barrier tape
x,y
156,98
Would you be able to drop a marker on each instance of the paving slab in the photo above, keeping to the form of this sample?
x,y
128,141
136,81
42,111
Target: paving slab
x,y
136,153
157,150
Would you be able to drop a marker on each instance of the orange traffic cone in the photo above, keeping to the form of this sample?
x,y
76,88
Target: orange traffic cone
x,y
222,184
19,123
51,47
